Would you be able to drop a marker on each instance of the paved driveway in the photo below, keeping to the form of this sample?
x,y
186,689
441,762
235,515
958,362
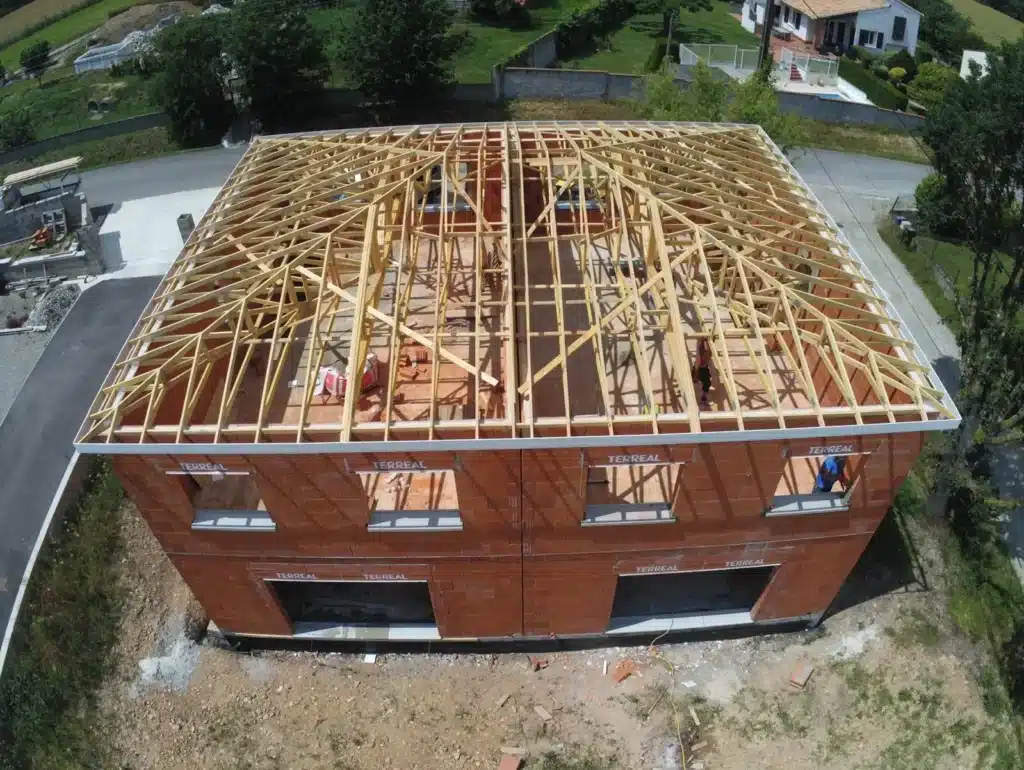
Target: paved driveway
x,y
36,436
857,191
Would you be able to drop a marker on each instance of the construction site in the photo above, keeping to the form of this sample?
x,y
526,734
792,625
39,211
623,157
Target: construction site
x,y
491,381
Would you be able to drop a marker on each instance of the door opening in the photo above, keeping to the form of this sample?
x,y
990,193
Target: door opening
x,y
660,601
346,603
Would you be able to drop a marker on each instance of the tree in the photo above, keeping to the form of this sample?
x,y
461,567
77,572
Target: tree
x,y
35,59
977,138
15,129
710,98
3,74
938,210
280,58
671,8
192,79
946,30
399,52
931,83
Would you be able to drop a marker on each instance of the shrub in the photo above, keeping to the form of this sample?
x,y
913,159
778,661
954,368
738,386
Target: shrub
x,y
864,55
924,53
938,211
880,71
896,74
879,92
656,56
903,59
16,129
932,81
509,12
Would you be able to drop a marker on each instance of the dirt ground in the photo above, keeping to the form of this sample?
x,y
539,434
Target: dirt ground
x,y
892,687
139,17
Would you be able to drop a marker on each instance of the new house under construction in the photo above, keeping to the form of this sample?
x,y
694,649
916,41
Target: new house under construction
x,y
515,379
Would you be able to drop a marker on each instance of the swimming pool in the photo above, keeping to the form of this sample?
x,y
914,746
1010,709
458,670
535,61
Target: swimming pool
x,y
832,97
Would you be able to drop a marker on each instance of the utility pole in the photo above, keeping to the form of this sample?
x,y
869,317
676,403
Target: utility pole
x,y
668,43
766,33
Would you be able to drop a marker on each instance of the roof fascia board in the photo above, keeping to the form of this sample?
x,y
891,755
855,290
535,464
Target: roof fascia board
x,y
497,444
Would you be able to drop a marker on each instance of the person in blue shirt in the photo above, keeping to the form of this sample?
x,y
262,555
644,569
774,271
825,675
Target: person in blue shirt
x,y
831,472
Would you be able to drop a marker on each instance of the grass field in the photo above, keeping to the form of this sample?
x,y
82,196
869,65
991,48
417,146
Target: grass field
x,y
60,32
627,50
992,25
61,104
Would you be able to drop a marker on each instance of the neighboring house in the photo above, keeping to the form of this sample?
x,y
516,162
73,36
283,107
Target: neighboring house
x,y
832,26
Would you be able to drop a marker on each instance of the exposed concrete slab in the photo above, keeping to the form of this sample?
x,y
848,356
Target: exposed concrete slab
x,y
141,237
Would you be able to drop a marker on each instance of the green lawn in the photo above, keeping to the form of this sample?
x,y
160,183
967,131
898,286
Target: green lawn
x,y
61,103
488,45
65,30
992,25
627,50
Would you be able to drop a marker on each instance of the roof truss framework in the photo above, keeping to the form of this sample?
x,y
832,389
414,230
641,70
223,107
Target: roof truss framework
x,y
557,276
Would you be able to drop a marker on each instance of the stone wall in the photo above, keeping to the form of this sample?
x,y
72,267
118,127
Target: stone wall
x,y
102,131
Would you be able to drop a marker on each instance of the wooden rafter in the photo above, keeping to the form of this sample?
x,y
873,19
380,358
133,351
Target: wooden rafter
x,y
503,251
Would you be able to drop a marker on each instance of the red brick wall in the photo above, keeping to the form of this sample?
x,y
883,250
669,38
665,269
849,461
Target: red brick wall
x,y
522,563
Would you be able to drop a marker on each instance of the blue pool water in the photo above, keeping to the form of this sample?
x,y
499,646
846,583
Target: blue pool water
x,y
832,97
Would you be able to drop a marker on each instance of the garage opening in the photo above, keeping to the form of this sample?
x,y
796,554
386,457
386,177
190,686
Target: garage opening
x,y
687,600
346,609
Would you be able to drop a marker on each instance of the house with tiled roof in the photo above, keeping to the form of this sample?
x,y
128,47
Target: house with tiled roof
x,y
832,26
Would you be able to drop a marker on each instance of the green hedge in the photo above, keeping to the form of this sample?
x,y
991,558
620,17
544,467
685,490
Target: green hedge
x,y
579,31
881,93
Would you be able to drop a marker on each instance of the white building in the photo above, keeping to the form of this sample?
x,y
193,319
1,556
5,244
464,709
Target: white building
x,y
832,26
976,57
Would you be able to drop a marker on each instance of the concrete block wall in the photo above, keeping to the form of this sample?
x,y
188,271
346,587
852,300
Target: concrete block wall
x,y
522,564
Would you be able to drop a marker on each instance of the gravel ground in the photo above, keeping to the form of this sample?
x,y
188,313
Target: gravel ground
x,y
19,352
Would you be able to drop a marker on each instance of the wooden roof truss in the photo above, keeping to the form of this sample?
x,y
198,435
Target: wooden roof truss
x,y
556,243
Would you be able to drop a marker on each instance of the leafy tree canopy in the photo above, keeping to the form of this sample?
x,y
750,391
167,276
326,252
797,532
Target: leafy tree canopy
x,y
399,52
35,59
976,135
280,58
669,8
710,98
191,84
931,83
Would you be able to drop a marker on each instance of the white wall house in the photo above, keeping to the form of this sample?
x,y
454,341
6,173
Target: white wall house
x,y
835,25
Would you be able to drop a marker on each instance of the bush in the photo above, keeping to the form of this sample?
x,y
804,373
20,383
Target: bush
x,y
656,56
924,53
864,55
904,60
938,211
881,93
880,71
16,129
896,74
932,81
508,12
580,30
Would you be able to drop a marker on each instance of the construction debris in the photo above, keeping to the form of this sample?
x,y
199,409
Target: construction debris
x,y
510,762
693,715
543,713
623,670
800,675
54,305
502,700
514,750
538,663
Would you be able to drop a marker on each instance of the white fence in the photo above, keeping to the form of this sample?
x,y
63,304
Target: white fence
x,y
722,56
816,70
738,62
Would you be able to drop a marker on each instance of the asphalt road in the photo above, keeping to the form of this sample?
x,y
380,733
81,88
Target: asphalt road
x,y
36,436
160,176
